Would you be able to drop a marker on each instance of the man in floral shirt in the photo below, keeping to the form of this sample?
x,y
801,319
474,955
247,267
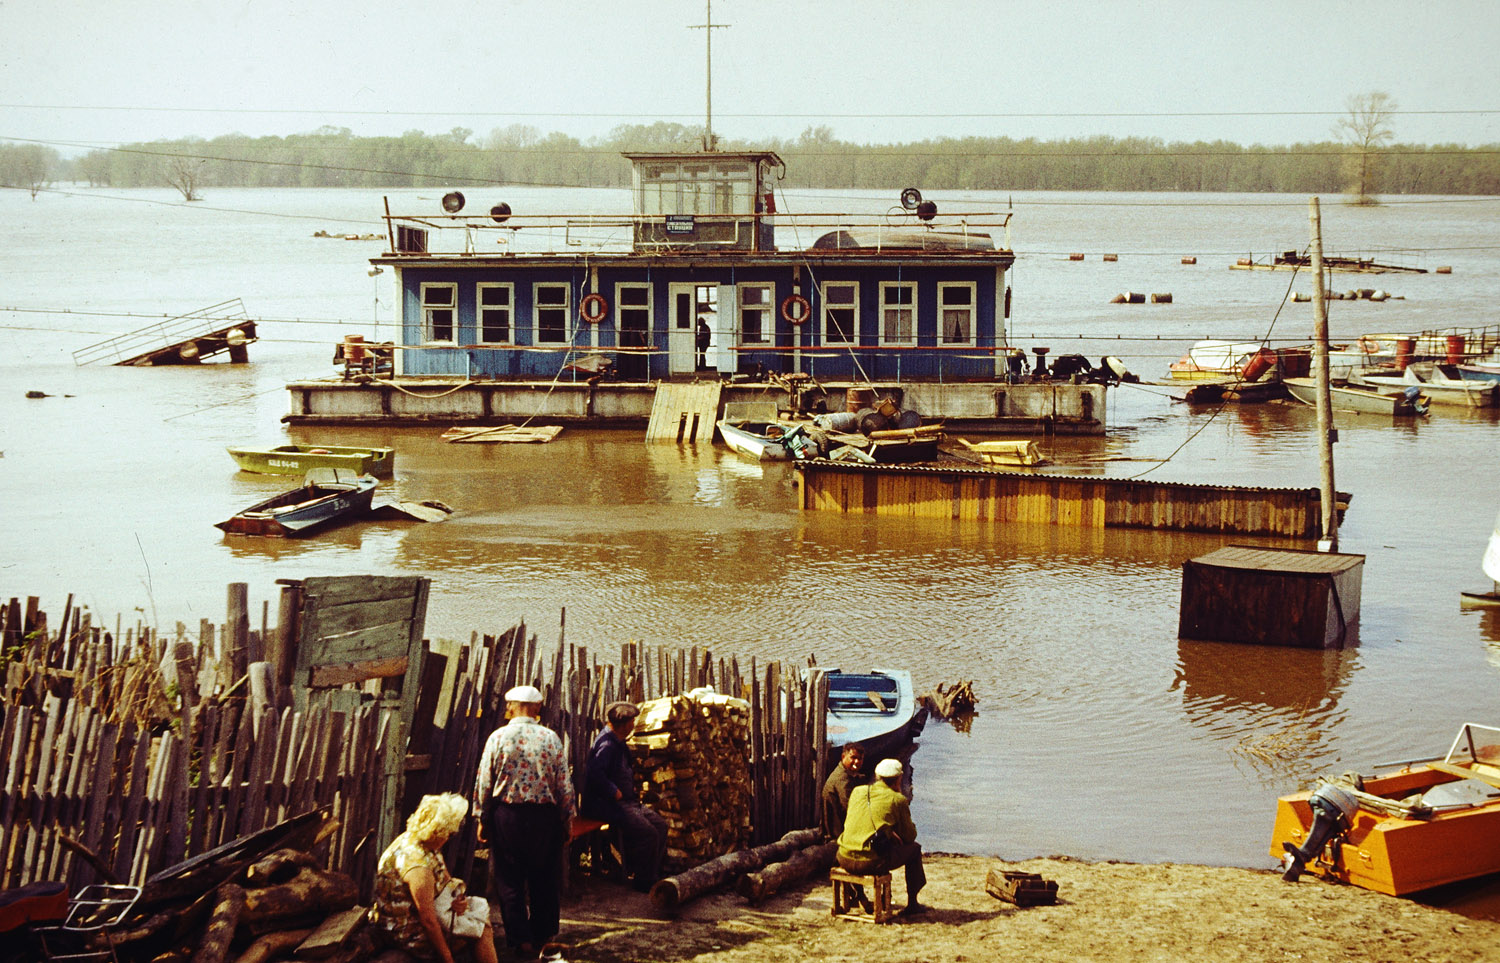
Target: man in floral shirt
x,y
527,801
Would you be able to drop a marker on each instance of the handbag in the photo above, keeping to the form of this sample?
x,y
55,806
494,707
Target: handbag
x,y
471,922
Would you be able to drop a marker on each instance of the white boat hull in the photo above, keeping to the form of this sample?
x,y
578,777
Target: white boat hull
x,y
757,446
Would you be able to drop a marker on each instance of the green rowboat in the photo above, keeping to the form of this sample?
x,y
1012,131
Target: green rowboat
x,y
297,459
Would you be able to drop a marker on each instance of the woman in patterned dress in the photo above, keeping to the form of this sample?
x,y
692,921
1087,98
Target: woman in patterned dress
x,y
409,877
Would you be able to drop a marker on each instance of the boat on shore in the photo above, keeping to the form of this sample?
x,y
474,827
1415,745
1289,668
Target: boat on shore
x,y
1406,400
326,497
877,709
1425,824
300,459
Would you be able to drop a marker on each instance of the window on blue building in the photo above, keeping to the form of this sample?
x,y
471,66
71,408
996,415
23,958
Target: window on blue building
x,y
439,302
552,313
495,303
898,308
840,312
956,312
755,313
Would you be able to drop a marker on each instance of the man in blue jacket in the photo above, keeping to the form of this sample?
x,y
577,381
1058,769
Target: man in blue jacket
x,y
609,794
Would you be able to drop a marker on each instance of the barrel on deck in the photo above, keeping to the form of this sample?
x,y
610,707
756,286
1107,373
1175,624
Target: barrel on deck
x,y
858,398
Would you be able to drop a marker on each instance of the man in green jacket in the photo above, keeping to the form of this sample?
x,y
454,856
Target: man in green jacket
x,y
879,835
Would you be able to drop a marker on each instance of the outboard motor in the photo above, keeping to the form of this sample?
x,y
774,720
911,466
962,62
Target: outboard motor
x,y
1333,811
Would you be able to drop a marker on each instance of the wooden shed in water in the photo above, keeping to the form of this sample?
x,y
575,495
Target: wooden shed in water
x,y
987,495
1270,596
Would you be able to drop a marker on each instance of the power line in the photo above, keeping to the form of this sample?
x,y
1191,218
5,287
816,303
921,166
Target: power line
x,y
978,115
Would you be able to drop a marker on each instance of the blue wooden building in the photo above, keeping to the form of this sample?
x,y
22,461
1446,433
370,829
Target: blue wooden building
x,y
910,294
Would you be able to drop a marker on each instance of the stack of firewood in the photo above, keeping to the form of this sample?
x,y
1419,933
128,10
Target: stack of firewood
x,y
692,765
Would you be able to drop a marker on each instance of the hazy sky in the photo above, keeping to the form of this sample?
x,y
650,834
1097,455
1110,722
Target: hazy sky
x,y
1255,71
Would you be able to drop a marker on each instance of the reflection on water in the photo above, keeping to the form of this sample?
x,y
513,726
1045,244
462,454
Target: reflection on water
x,y
1096,726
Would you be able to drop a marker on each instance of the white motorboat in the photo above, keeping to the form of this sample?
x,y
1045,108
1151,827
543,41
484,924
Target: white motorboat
x,y
1405,400
756,440
1458,393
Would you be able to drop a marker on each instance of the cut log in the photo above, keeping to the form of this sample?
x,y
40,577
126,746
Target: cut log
x,y
221,925
272,945
277,868
672,892
88,856
311,891
814,859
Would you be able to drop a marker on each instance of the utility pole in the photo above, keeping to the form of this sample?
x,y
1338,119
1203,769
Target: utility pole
x,y
1327,434
708,26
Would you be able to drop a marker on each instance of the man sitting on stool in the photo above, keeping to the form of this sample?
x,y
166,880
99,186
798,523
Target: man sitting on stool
x,y
609,795
879,835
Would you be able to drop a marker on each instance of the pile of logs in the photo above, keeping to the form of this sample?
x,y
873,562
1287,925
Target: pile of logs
x,y
692,764
257,899
756,873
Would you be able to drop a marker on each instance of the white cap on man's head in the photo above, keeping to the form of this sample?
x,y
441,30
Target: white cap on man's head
x,y
888,768
524,693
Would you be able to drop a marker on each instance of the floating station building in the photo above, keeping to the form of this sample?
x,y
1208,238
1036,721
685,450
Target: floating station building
x,y
578,319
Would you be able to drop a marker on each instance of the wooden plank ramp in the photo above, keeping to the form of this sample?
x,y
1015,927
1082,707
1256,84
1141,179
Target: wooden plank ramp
x,y
685,412
512,434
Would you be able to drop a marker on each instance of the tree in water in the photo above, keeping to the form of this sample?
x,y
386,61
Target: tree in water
x,y
1366,129
182,173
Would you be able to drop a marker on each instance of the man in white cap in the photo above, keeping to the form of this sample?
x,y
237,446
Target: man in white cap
x,y
879,835
526,800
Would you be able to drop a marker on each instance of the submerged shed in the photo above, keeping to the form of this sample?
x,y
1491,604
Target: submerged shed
x,y
1270,596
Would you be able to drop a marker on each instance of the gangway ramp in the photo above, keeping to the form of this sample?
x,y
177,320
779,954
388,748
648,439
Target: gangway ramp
x,y
685,412
186,339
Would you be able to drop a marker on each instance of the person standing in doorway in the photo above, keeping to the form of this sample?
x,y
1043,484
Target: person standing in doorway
x,y
705,337
523,790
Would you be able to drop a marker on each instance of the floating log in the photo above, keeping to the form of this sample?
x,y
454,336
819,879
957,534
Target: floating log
x,y
1190,260
949,701
1075,257
221,925
814,859
672,892
1165,298
1111,257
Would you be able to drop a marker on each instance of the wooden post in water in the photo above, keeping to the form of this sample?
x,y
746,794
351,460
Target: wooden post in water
x,y
1326,433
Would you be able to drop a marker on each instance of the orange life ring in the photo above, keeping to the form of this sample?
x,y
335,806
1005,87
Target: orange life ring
x,y
587,308
804,310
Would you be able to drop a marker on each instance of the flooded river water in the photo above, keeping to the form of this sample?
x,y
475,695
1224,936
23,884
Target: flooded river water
x,y
1099,735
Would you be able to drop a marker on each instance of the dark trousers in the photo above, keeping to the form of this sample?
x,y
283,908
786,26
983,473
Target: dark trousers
x,y
645,833
526,851
901,855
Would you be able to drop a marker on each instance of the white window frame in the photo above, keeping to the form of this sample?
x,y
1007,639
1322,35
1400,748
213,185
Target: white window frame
x,y
886,305
428,308
480,308
537,307
852,307
765,309
942,308
620,306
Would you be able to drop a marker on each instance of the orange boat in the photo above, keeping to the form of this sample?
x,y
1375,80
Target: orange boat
x,y
1427,824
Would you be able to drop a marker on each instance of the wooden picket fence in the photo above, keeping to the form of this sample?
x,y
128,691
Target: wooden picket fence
x,y
142,749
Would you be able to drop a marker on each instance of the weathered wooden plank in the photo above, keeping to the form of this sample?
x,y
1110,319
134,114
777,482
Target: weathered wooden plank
x,y
329,676
385,641
323,620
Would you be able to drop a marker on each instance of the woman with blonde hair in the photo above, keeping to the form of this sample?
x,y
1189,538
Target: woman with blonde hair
x,y
411,879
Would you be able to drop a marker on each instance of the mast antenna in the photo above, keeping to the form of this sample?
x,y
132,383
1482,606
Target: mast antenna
x,y
708,26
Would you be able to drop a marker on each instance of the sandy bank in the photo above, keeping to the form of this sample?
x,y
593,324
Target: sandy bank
x,y
1106,911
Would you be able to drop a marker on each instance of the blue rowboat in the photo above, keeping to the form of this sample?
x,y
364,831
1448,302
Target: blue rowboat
x,y
321,501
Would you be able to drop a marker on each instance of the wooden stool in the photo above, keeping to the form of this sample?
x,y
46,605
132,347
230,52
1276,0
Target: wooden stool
x,y
844,903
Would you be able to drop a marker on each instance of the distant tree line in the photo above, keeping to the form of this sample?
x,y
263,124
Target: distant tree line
x,y
521,154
